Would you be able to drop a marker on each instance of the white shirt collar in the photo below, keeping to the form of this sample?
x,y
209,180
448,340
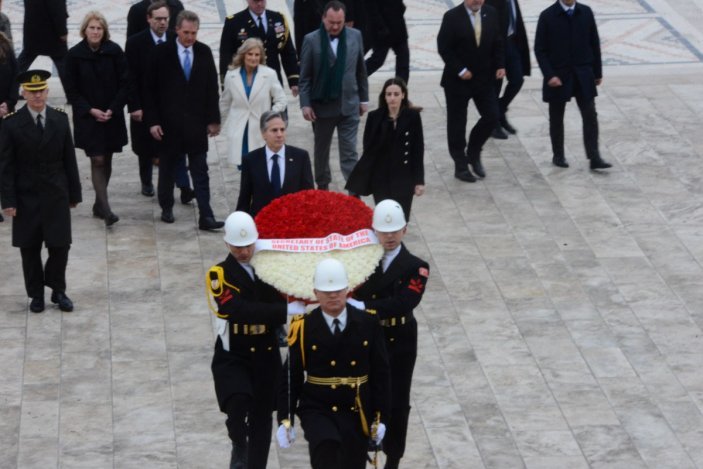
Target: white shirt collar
x,y
255,17
388,257
34,114
567,8
330,320
249,269
156,38
281,162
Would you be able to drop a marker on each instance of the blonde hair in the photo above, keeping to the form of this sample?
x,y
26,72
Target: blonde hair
x,y
95,15
249,44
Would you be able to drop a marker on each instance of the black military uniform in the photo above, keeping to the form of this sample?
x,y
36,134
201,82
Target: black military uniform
x,y
40,179
393,295
276,38
246,374
346,387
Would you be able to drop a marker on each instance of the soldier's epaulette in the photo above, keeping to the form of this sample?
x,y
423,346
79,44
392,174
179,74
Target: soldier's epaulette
x,y
230,17
10,114
60,109
371,311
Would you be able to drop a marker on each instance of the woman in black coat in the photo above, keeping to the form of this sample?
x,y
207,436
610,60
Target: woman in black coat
x,y
8,77
392,163
97,87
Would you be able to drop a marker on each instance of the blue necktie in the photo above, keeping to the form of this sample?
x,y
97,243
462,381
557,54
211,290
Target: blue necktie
x,y
570,12
275,176
187,64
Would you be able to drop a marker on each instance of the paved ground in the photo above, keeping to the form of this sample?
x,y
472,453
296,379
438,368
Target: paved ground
x,y
562,322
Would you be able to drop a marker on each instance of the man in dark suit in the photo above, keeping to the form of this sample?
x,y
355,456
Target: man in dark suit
x,y
273,30
182,111
343,399
334,90
246,364
273,170
567,48
44,33
517,60
470,42
386,31
307,15
39,186
392,292
136,17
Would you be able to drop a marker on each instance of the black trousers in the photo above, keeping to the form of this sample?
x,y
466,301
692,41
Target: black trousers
x,y
345,446
486,102
513,74
249,425
402,58
589,117
52,274
197,164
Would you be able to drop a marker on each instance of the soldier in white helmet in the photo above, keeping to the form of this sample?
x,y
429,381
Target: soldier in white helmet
x,y
247,363
342,399
392,292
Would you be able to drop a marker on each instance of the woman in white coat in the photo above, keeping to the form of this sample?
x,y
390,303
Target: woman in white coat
x,y
250,89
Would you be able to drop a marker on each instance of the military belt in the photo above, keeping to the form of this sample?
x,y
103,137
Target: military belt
x,y
352,381
249,329
396,321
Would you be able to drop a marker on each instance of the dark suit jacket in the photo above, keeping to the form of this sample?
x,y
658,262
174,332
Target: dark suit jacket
x,y
136,17
255,188
44,24
39,177
405,162
457,46
568,48
520,36
183,108
138,50
278,43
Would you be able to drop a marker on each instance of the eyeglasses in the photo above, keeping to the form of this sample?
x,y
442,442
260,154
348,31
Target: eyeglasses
x,y
160,18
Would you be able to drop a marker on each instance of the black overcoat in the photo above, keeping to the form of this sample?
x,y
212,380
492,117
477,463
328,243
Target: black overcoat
x,y
406,160
253,362
44,25
97,79
568,48
520,36
386,23
8,80
183,108
39,177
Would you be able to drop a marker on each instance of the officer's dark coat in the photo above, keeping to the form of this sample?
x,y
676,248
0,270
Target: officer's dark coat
x,y
253,362
278,43
391,294
44,24
359,351
39,178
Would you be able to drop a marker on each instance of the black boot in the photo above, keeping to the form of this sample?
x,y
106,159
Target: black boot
x,y
239,459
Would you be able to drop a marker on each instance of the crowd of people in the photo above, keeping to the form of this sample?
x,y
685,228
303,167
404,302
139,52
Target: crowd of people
x,y
176,98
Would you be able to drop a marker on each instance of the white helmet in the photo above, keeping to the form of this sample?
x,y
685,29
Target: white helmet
x,y
240,229
388,216
330,275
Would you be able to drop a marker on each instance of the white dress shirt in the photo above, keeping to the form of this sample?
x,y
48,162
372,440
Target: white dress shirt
x,y
389,257
182,56
281,161
330,320
264,23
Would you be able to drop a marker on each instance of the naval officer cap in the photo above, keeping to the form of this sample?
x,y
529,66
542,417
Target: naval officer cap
x,y
34,80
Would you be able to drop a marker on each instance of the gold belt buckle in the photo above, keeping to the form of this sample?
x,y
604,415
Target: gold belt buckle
x,y
343,381
235,328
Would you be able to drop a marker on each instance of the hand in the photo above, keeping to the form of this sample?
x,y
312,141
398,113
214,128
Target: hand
x,y
309,114
599,81
500,73
419,190
73,205
554,82
356,303
213,130
137,116
467,75
156,132
363,108
3,109
295,308
9,211
380,431
285,435
295,90
99,115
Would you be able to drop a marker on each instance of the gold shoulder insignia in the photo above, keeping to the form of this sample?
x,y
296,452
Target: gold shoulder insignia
x,y
230,17
60,109
10,114
371,311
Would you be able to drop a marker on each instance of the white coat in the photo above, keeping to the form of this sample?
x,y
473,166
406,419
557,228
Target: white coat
x,y
236,110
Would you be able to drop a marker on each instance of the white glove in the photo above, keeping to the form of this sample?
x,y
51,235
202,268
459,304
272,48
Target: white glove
x,y
286,436
356,303
380,432
295,308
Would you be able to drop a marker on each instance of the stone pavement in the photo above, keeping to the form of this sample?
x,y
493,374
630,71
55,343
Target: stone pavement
x,y
562,322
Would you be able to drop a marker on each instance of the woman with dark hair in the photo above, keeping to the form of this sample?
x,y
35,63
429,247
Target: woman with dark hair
x,y
392,163
97,86
8,79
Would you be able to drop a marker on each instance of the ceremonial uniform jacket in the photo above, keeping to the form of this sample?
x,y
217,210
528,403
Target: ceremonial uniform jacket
x,y
277,42
244,302
359,351
39,177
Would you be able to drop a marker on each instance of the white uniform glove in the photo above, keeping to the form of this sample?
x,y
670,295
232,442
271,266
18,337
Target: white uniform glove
x,y
380,432
295,308
286,436
356,303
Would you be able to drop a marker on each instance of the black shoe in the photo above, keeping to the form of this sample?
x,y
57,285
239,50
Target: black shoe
x,y
97,212
239,458
64,302
506,125
36,305
465,176
499,134
111,219
147,190
599,163
187,194
560,161
392,463
167,216
209,223
477,167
